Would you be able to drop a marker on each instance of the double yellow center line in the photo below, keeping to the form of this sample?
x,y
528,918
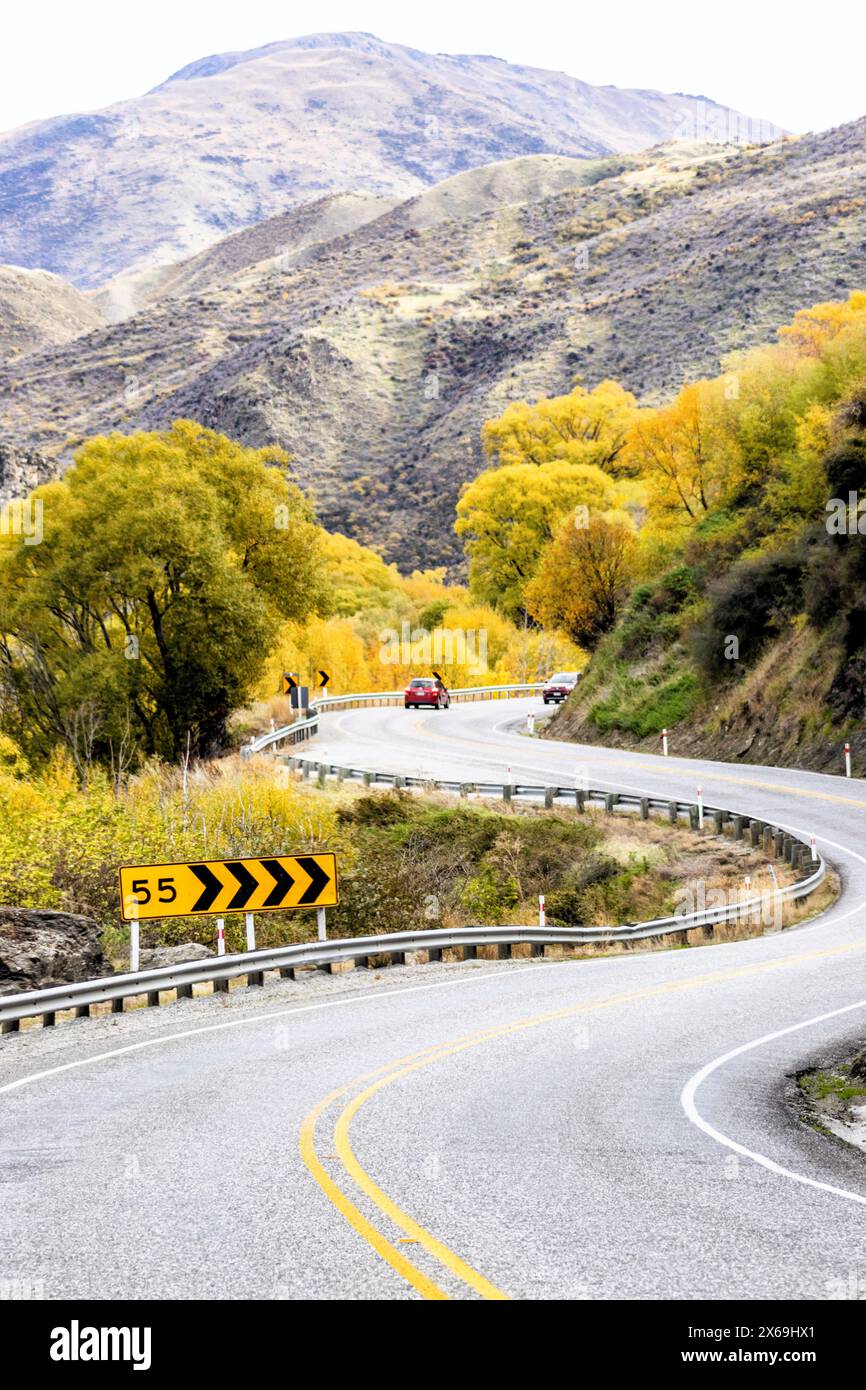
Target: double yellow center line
x,y
350,1099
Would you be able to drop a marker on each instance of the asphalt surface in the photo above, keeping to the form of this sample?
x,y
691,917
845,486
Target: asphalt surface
x,y
529,1130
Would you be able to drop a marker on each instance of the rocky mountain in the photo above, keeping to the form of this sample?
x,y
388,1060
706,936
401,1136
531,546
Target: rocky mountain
x,y
375,356
38,310
240,137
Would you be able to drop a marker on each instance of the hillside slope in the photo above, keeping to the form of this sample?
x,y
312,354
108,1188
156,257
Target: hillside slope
x,y
236,138
38,310
377,360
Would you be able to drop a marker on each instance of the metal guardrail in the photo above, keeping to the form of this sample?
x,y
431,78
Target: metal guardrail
x,y
219,970
304,729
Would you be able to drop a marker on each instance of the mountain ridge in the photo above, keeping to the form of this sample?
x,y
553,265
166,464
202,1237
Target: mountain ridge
x,y
233,139
375,357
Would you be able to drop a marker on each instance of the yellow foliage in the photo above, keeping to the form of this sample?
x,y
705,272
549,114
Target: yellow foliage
x,y
582,427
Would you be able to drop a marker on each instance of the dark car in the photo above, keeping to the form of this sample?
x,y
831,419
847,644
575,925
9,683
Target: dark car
x,y
560,686
426,692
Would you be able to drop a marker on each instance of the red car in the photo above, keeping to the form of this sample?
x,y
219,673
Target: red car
x,y
560,686
426,692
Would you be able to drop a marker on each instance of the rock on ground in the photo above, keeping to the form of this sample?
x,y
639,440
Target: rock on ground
x,y
39,949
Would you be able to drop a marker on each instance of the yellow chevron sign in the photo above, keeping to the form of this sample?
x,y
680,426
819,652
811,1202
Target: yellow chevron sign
x,y
228,885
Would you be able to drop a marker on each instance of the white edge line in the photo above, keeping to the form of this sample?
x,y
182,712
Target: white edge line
x,y
689,1091
264,1018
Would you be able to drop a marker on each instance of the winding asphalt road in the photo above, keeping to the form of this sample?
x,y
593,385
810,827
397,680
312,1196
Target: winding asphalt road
x,y
589,1129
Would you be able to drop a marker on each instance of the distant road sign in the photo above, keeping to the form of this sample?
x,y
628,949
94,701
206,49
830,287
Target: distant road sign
x,y
289,683
325,681
228,885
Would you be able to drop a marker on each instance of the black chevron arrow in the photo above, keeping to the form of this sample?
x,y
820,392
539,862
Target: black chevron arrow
x,y
212,887
319,880
248,886
283,880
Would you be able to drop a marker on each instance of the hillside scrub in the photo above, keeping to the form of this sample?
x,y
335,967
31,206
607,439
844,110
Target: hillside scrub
x,y
753,538
406,862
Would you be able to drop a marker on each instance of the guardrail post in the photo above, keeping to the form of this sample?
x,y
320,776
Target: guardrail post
x,y
673,812
549,795
12,1025
694,818
738,827
184,991
117,1005
507,791
321,774
82,1011
767,839
470,952
287,972
756,830
153,998
366,778
644,808
342,774
398,957
434,955
536,950
580,799
718,822
503,951
610,801
778,843
255,978
49,1020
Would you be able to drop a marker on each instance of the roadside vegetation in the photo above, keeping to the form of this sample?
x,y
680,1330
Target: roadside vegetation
x,y
407,861
710,553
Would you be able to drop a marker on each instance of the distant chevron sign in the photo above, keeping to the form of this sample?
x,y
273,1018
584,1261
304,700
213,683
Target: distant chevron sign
x,y
228,885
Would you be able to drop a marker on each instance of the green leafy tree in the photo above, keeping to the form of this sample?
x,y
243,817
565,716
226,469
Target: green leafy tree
x,y
145,616
507,516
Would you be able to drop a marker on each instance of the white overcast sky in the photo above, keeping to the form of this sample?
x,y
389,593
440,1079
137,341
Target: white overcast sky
x,y
798,64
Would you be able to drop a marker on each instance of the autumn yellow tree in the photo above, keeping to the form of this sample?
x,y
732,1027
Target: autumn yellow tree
x,y
584,578
680,450
581,427
507,516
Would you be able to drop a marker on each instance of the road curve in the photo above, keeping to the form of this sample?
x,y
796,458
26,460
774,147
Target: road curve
x,y
590,1129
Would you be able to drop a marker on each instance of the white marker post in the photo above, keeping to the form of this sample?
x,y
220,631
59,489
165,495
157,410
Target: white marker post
x,y
133,947
664,742
322,923
530,723
700,809
221,936
251,932
814,847
847,760
542,914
